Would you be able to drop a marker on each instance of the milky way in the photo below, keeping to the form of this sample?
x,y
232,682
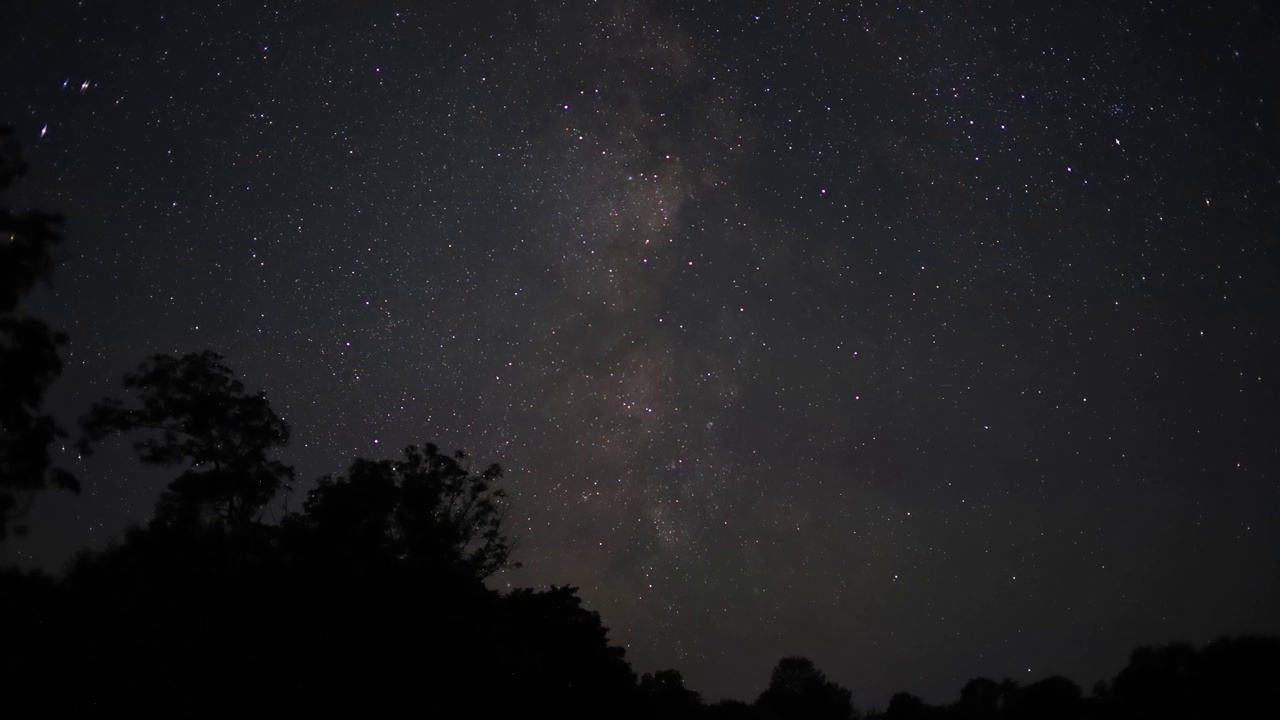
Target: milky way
x,y
926,342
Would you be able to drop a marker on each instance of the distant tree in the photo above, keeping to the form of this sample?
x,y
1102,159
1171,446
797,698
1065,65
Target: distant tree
x,y
905,706
427,509
1158,680
797,689
553,654
730,709
29,361
1229,677
979,699
193,413
1242,675
663,695
1053,698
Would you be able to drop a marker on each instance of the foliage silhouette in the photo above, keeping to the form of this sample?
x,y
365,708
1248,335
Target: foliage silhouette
x,y
1052,698
1227,678
29,361
555,654
730,709
29,236
905,706
799,689
663,694
428,509
980,699
195,414
371,601
1230,677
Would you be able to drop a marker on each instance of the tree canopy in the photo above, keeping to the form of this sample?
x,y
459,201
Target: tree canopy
x,y
427,509
29,359
797,688
192,412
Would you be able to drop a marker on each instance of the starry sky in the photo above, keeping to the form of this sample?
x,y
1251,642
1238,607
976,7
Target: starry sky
x,y
926,339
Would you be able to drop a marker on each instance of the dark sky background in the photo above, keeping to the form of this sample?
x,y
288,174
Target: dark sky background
x,y
926,339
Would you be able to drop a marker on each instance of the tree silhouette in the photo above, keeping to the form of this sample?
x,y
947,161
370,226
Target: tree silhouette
x,y
980,699
663,694
1229,677
730,709
1053,698
798,689
554,654
193,413
905,706
29,361
426,509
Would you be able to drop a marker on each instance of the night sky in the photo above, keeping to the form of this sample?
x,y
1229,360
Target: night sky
x,y
928,340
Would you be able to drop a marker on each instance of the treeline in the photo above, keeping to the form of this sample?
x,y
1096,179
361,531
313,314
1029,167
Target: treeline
x,y
308,617
365,602
370,599
1227,678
